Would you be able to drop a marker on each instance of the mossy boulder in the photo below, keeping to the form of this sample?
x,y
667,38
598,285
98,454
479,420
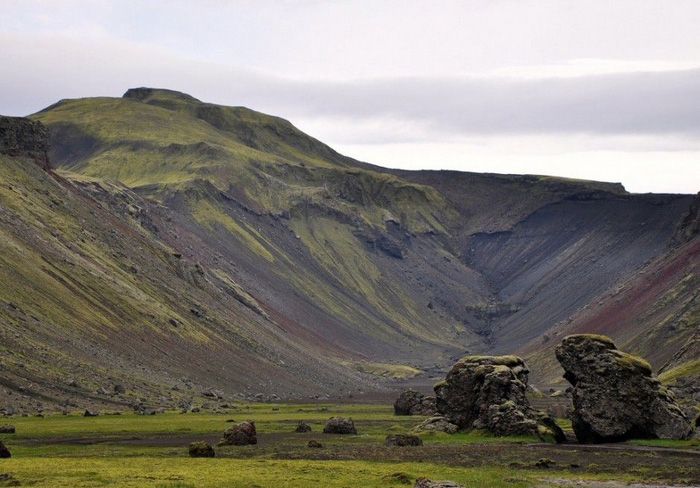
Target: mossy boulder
x,y
201,449
488,393
241,434
337,425
413,402
616,396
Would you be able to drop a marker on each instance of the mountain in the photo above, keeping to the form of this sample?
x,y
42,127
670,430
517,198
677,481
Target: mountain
x,y
177,247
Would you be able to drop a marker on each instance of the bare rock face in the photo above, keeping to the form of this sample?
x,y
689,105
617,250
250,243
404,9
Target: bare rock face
x,y
241,434
413,402
488,392
337,425
616,397
24,137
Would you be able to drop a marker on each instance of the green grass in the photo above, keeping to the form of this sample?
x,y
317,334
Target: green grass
x,y
47,452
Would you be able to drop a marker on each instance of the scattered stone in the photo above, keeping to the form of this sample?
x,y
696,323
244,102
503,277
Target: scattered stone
x,y
402,440
544,463
437,424
488,392
615,395
73,384
195,410
314,444
399,478
101,391
241,434
201,449
337,425
426,483
7,479
413,402
91,413
302,427
4,452
119,389
7,429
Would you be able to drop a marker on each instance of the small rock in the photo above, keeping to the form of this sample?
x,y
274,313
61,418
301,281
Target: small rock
x,y
426,483
337,425
314,444
4,452
303,427
398,478
437,424
402,440
73,384
7,429
544,463
91,413
119,389
201,449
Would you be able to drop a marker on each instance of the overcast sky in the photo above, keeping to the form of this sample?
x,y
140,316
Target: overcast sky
x,y
606,90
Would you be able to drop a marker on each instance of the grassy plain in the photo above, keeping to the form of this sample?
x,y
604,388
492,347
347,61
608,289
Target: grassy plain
x,y
151,451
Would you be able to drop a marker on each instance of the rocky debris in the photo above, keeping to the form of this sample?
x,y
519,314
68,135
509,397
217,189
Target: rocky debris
x,y
314,444
24,137
302,427
488,392
90,413
337,425
119,389
201,449
615,395
7,429
426,483
413,402
4,452
241,434
437,424
403,440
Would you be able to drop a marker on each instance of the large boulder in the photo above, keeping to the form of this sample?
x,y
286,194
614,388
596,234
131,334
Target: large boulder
x,y
488,392
615,395
241,434
337,425
4,452
413,402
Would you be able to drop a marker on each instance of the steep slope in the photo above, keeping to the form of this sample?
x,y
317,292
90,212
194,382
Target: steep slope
x,y
655,312
90,292
301,253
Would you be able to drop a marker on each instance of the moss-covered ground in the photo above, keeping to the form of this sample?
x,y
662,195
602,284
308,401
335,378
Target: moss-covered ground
x,y
151,451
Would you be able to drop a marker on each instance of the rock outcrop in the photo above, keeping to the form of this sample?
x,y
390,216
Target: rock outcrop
x,y
689,227
488,392
616,397
413,402
241,434
337,425
25,138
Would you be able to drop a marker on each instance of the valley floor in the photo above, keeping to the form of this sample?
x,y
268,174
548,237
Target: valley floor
x,y
151,451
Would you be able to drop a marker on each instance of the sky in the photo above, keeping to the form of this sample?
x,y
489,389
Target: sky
x,y
604,90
